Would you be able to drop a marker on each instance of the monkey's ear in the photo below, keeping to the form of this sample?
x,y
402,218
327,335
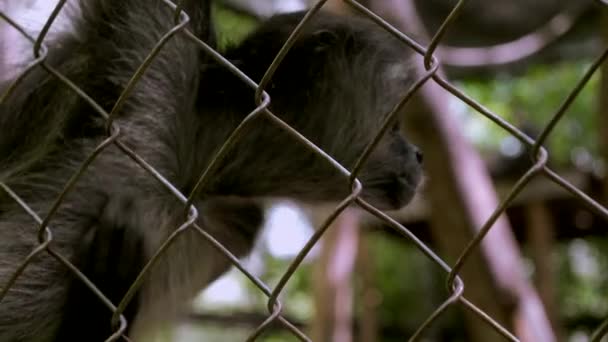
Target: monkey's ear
x,y
323,39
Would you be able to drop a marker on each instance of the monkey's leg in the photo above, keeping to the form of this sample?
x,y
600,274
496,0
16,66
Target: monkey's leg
x,y
111,257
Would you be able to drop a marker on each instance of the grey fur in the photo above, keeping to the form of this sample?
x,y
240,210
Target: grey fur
x,y
334,87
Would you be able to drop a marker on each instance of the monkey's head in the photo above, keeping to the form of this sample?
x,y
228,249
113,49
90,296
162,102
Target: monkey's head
x,y
335,86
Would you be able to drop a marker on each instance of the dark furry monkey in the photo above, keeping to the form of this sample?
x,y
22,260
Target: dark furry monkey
x,y
335,86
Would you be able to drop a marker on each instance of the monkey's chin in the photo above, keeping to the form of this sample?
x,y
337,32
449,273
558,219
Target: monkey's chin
x,y
392,195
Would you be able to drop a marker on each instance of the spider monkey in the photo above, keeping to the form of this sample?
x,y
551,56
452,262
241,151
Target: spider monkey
x,y
334,86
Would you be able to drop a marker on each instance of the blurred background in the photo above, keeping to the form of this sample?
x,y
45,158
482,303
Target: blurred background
x,y
542,271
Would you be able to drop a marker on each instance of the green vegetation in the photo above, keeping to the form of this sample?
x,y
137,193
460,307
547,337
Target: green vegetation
x,y
231,26
531,100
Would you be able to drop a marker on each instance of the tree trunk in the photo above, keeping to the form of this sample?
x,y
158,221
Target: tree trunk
x,y
333,280
369,293
541,239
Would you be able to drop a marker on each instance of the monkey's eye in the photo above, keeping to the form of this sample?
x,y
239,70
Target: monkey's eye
x,y
325,38
396,126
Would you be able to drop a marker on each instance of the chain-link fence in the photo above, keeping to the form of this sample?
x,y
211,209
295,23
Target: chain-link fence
x,y
539,169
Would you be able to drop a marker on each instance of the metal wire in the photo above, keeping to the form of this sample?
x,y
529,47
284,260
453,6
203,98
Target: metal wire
x,y
455,283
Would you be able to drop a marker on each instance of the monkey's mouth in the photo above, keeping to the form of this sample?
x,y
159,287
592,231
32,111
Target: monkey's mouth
x,y
402,192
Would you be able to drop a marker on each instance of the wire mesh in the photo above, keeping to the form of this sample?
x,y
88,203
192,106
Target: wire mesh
x,y
538,169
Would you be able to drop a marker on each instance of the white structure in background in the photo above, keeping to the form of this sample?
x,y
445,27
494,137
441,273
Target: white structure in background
x,y
31,15
266,8
286,231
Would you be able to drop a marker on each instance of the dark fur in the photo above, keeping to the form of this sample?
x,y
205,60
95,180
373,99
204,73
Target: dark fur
x,y
334,87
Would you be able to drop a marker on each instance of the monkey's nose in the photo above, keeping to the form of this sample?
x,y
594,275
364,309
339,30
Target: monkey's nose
x,y
419,156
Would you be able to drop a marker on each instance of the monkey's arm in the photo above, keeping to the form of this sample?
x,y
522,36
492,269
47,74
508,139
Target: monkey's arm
x,y
191,262
109,42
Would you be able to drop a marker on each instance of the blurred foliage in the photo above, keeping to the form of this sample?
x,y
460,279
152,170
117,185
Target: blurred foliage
x,y
395,284
231,26
409,287
297,290
530,101
582,278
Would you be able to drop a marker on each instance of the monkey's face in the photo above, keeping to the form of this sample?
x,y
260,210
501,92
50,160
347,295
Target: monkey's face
x,y
343,121
393,172
355,74
335,86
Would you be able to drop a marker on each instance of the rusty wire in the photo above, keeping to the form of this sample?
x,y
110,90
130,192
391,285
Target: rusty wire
x,y
455,284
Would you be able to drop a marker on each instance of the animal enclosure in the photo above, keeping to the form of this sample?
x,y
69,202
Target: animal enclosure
x,y
42,227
